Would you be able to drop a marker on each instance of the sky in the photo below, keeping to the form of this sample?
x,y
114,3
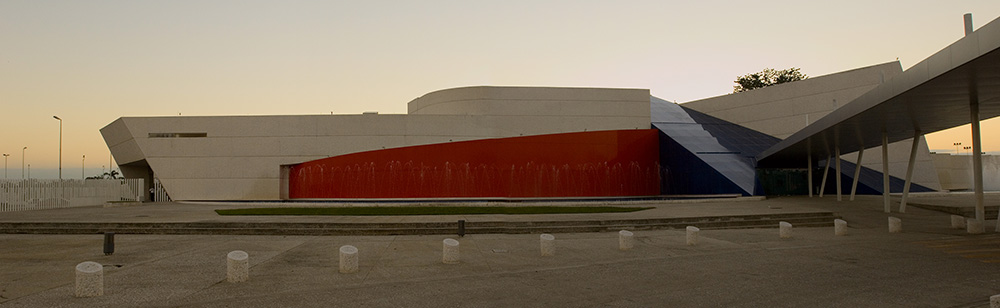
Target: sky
x,y
91,62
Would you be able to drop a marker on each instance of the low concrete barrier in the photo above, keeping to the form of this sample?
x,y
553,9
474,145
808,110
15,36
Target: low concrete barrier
x,y
348,259
895,225
626,240
237,266
548,245
692,235
957,222
89,279
839,227
785,229
450,253
974,226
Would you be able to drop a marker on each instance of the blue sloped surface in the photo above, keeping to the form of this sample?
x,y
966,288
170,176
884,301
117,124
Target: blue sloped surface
x,y
735,137
870,181
728,163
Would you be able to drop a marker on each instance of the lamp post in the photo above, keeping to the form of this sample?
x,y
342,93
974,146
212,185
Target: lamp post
x,y
60,146
83,166
22,161
956,144
5,155
61,192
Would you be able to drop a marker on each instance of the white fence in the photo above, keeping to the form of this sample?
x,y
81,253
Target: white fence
x,y
159,193
22,195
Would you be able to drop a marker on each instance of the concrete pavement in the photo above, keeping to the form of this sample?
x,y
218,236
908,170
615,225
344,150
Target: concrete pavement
x,y
928,265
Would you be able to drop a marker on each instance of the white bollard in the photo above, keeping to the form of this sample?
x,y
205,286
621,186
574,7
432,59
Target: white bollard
x,y
957,222
626,240
450,253
548,245
974,226
89,279
785,229
995,301
839,227
895,225
692,235
237,266
348,259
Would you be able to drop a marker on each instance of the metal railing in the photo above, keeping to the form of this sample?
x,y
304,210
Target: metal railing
x,y
34,194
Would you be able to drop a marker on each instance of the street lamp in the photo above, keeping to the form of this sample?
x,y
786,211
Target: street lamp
x,y
5,155
60,146
22,161
83,166
956,144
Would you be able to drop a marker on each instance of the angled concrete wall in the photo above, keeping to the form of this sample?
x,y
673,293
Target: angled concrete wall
x,y
955,172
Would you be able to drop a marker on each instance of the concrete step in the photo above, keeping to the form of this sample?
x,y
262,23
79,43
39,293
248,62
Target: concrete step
x,y
991,211
817,219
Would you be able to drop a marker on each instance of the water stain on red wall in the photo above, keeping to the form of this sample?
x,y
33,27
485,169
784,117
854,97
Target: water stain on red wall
x,y
584,164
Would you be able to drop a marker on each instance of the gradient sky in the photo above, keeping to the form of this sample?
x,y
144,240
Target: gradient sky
x,y
91,62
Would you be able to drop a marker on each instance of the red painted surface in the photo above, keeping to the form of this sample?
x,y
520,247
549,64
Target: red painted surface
x,y
585,164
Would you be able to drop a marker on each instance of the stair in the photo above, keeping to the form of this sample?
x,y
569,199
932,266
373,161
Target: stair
x,y
816,219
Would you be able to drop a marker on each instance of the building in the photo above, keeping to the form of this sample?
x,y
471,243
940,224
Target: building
x,y
542,142
278,157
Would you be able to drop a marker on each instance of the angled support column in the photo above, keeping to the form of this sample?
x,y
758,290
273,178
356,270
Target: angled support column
x,y
809,171
909,171
885,171
822,183
857,172
836,149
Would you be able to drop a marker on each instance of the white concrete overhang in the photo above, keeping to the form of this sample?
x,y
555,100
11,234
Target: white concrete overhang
x,y
933,95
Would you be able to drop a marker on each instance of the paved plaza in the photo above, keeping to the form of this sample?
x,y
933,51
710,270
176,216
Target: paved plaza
x,y
927,265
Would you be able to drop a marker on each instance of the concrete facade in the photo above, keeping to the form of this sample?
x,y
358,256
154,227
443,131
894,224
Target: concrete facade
x,y
239,157
784,109
955,171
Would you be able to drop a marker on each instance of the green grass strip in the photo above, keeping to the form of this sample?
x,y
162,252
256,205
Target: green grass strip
x,y
427,210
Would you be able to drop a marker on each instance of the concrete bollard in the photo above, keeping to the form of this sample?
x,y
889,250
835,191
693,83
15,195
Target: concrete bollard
x,y
89,279
450,253
839,227
692,235
626,240
348,259
957,222
995,301
974,226
785,229
548,245
895,225
237,266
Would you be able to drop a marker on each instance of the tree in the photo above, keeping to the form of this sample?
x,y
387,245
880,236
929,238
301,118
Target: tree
x,y
767,77
113,174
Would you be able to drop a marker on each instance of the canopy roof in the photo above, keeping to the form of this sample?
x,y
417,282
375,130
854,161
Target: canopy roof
x,y
933,95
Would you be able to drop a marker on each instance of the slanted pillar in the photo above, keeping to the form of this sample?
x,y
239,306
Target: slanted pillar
x,y
822,183
809,170
885,171
857,172
836,149
909,171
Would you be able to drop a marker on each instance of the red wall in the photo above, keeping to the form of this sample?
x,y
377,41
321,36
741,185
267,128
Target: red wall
x,y
585,164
